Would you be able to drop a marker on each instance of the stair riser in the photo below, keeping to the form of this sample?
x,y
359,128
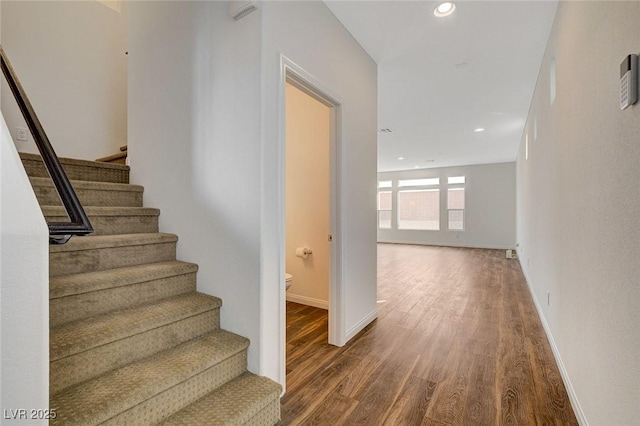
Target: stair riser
x,y
76,262
268,416
47,196
246,400
80,306
162,405
77,368
113,225
36,168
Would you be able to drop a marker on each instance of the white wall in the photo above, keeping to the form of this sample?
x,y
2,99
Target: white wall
x,y
194,127
307,195
489,207
578,201
70,58
203,114
308,34
24,289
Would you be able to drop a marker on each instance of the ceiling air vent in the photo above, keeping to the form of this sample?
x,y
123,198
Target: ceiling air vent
x,y
239,9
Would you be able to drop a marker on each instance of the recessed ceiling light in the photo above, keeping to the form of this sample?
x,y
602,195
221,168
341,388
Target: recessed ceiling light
x,y
479,129
444,9
416,167
385,130
400,158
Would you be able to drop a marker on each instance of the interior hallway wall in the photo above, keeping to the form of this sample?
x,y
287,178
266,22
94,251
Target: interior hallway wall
x,y
24,289
70,57
308,34
203,126
578,201
489,214
194,108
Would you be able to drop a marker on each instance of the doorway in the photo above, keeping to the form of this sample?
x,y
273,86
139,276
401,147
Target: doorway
x,y
307,188
329,238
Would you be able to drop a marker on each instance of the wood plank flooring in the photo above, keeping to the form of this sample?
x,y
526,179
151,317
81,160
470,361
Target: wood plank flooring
x,y
457,342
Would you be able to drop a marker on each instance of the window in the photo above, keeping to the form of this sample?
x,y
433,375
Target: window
x,y
419,182
455,209
419,209
384,184
384,209
455,179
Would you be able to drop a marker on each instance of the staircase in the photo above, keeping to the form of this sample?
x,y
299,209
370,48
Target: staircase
x,y
131,340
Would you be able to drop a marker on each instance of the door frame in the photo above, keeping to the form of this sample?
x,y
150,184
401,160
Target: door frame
x,y
292,73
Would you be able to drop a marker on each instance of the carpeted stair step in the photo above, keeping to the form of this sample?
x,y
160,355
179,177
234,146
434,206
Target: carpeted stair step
x,y
118,158
150,390
246,400
80,296
90,193
78,169
111,220
101,252
85,349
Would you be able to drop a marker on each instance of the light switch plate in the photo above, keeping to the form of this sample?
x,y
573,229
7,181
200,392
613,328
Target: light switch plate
x,y
22,134
629,81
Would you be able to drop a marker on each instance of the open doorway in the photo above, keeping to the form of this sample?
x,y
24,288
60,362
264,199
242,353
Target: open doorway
x,y
310,138
307,224
307,199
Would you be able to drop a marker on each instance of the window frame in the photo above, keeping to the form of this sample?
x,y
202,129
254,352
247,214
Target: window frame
x,y
390,209
457,187
431,188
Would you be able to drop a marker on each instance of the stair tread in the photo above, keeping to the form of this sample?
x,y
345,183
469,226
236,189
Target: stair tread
x,y
87,282
234,403
111,220
90,184
137,382
92,242
75,161
80,336
108,158
103,211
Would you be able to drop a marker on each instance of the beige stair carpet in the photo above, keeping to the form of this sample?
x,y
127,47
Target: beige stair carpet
x,y
132,342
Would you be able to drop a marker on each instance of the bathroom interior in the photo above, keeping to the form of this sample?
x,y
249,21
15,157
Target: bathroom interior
x,y
308,219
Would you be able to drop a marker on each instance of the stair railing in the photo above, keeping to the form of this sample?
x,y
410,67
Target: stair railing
x,y
59,232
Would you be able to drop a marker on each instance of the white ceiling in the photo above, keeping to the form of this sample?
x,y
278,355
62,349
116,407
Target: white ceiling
x,y
441,78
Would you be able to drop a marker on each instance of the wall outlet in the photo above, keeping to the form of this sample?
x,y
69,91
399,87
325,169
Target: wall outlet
x,y
21,134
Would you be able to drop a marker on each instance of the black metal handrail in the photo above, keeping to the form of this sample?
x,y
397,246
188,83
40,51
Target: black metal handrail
x,y
59,232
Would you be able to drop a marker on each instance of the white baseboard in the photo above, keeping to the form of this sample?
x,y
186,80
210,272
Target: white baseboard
x,y
309,301
436,244
361,324
577,409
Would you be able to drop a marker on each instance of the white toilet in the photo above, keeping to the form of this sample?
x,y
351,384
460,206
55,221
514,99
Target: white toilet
x,y
288,278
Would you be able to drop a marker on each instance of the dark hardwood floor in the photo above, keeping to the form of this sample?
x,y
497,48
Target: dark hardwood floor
x,y
457,342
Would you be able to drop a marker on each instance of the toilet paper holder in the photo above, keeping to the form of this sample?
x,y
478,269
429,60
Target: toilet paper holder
x,y
303,252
